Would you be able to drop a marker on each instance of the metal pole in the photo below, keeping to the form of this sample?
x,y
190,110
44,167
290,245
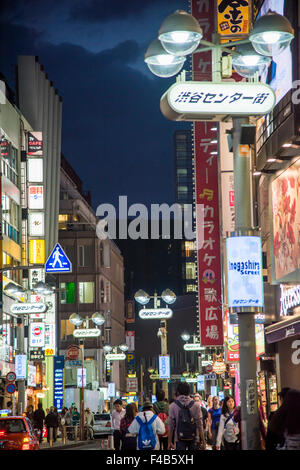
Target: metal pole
x,y
242,195
142,383
164,352
82,392
21,383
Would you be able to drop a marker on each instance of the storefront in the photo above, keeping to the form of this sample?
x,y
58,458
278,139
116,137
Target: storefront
x,y
286,335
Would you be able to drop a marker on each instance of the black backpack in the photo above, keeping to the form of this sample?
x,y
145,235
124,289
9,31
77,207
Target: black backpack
x,y
186,426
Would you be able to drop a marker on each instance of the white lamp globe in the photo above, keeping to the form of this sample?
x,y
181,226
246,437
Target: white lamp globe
x,y
247,62
160,63
180,33
271,34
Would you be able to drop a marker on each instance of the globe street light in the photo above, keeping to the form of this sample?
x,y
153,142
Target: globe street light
x,y
13,289
180,33
248,62
168,296
98,319
161,63
185,336
271,34
107,348
142,297
76,319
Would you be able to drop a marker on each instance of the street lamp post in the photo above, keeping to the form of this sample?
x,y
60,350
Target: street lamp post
x,y
271,34
169,298
77,321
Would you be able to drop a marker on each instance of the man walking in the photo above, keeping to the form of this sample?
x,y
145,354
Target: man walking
x,y
89,422
38,420
116,416
185,417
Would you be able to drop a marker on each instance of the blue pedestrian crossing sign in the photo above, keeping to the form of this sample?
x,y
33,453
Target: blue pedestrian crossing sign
x,y
58,262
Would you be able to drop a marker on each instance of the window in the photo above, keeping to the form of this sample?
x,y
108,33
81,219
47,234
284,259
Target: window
x,y
191,288
182,172
66,329
190,271
85,256
86,292
67,295
189,248
102,292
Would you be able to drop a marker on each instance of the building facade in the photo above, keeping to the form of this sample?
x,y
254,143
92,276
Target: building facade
x,y
96,284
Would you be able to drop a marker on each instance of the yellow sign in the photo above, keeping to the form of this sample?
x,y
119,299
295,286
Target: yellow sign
x,y
37,251
233,17
49,352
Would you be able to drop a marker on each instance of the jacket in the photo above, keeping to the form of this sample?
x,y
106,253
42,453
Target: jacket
x,y
89,419
157,426
161,407
195,411
51,420
230,432
38,417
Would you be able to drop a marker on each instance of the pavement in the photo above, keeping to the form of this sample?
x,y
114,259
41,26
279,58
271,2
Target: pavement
x,y
59,445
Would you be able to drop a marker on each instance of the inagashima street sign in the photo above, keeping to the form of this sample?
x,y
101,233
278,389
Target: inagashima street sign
x,y
86,333
209,101
155,313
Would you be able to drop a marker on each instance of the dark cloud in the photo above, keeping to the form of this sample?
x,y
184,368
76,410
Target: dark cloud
x,y
114,134
103,10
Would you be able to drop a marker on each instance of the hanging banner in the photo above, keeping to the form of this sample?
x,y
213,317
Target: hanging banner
x,y
233,17
206,190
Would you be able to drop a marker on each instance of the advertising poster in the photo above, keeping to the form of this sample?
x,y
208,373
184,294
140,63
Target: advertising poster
x,y
164,367
244,272
207,194
35,143
233,17
286,222
58,378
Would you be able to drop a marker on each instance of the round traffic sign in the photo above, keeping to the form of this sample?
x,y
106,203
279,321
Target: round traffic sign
x,y
73,352
10,388
209,369
11,377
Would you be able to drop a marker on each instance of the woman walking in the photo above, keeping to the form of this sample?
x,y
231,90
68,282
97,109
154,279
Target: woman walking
x,y
286,421
229,431
128,440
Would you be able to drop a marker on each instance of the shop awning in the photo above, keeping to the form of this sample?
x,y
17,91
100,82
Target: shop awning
x,y
283,329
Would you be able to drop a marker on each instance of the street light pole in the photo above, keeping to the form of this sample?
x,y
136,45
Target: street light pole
x,y
246,321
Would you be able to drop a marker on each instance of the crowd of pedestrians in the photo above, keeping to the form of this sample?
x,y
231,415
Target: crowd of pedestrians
x,y
187,422
55,422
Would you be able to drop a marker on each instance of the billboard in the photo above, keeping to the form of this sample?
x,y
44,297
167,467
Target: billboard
x,y
285,226
164,367
58,379
234,17
232,346
244,272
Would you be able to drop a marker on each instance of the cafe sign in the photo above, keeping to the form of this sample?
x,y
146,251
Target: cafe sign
x,y
209,101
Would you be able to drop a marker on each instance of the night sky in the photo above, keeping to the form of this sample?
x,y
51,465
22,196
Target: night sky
x,y
114,134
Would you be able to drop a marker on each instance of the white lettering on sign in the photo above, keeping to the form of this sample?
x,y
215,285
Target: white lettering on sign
x,y
296,354
289,298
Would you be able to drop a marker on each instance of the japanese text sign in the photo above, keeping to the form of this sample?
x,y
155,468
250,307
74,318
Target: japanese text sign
x,y
198,101
233,17
207,194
